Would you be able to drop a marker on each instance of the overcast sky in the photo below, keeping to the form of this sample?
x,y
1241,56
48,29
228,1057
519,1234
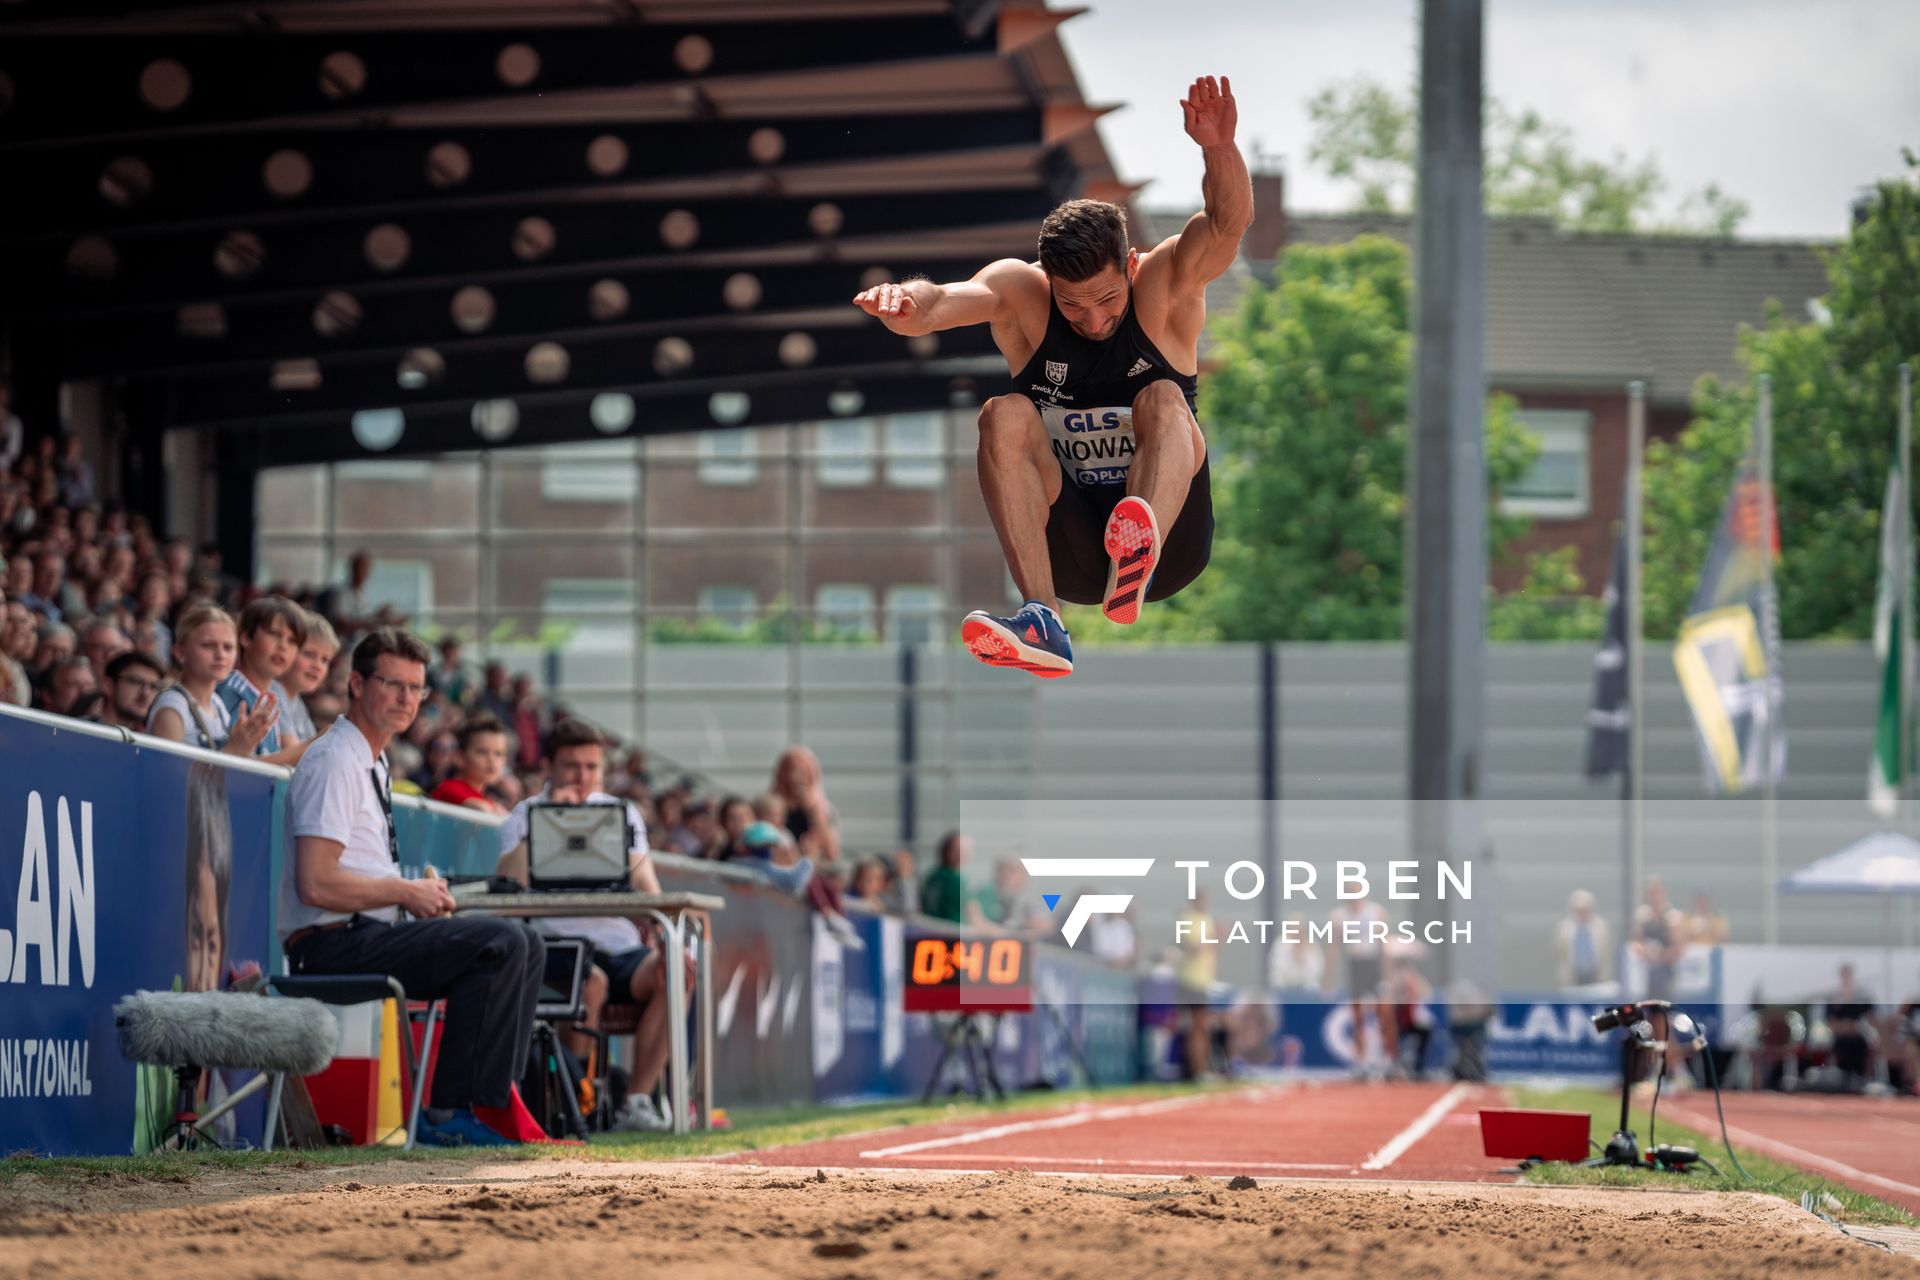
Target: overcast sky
x,y
1792,105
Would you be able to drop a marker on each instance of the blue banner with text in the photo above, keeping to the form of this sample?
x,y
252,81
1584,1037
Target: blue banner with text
x,y
130,870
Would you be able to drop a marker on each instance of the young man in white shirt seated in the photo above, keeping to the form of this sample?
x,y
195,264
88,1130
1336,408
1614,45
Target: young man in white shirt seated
x,y
625,968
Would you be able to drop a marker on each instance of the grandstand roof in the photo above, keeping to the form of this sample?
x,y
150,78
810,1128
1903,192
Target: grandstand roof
x,y
516,221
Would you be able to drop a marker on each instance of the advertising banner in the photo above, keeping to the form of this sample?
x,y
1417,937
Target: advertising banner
x,y
761,969
121,870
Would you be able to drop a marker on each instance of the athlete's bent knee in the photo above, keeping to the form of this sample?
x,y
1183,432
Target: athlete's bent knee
x,y
1162,396
1007,414
1010,429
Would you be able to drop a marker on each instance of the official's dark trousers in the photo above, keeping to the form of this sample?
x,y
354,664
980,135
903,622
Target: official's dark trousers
x,y
487,969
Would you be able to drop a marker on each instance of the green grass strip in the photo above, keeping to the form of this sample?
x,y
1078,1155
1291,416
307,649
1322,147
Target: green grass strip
x,y
751,1130
1771,1176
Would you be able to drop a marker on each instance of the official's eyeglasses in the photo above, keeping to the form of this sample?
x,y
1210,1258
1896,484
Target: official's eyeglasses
x,y
400,688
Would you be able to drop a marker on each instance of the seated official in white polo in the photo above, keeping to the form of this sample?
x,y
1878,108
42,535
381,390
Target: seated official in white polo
x,y
341,895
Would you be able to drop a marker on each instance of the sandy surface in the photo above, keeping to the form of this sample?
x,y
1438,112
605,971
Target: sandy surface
x,y
551,1221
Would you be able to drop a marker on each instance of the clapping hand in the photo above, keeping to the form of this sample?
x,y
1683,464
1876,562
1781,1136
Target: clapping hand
x,y
251,729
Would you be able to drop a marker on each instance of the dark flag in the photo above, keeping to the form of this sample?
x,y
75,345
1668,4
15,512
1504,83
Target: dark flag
x,y
1611,716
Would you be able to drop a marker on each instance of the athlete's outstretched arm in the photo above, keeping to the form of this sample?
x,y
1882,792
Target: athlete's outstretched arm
x,y
1210,241
914,307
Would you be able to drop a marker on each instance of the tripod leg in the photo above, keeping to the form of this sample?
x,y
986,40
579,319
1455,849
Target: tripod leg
x,y
986,1052
939,1064
1073,1046
569,1087
973,1061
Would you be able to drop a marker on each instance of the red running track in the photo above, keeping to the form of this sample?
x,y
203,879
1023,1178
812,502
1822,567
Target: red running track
x,y
1870,1144
1335,1130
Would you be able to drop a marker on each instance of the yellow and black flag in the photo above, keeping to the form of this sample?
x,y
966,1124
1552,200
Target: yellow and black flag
x,y
1728,653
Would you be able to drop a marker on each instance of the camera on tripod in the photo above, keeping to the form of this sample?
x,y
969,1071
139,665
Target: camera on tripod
x,y
1625,1015
1675,1029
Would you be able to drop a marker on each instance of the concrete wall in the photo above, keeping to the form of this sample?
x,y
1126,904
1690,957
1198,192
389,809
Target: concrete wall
x,y
1167,742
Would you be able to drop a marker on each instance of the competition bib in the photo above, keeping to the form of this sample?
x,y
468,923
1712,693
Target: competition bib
x,y
1094,446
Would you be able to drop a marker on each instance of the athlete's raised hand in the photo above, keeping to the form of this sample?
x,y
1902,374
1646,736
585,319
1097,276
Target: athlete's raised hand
x,y
885,301
1209,111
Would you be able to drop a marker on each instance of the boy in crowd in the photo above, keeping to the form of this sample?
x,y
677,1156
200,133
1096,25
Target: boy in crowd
x,y
482,759
272,629
305,676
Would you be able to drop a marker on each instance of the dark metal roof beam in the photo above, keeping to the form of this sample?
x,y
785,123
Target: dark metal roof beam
x,y
154,341
348,383
459,247
75,87
566,416
295,175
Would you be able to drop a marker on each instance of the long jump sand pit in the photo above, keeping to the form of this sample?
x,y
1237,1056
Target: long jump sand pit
x,y
576,1220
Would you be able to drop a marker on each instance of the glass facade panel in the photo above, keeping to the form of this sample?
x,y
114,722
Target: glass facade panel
x,y
715,596
292,500
407,496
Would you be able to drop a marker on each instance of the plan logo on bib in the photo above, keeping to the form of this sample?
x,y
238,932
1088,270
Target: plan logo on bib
x,y
1093,904
1057,372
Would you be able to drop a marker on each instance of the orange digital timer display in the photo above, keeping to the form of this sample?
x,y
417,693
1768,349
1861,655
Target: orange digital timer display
x,y
979,975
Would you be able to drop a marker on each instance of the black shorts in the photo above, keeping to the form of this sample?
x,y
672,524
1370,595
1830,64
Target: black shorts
x,y
1077,531
620,967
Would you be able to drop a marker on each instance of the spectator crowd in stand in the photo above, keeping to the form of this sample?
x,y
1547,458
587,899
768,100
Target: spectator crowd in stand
x,y
102,619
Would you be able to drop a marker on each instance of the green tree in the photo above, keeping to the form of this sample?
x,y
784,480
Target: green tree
x,y
1307,414
1552,604
1835,390
775,626
1366,133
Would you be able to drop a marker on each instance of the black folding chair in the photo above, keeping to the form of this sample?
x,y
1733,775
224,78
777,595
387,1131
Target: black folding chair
x,y
366,988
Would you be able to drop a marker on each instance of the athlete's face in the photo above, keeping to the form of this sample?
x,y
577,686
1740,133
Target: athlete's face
x,y
1095,305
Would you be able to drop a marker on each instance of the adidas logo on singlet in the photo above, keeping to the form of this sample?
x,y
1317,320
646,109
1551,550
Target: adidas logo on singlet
x,y
1140,366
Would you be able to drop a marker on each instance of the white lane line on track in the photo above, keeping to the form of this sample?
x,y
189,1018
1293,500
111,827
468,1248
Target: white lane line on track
x,y
1787,1151
1420,1128
1071,1120
1132,1164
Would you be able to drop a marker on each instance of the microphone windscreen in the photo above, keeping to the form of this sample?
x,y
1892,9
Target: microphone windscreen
x,y
226,1029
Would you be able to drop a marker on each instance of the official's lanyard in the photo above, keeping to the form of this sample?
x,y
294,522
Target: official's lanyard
x,y
386,810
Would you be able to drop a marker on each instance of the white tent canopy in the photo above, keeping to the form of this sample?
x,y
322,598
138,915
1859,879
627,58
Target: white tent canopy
x,y
1884,862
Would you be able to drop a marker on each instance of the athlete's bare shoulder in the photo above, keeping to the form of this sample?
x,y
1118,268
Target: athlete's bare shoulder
x,y
1019,284
1020,324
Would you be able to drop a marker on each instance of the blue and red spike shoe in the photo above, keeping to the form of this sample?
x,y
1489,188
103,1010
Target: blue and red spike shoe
x,y
1031,640
1133,540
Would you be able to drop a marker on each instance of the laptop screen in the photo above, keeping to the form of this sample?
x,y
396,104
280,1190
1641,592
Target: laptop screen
x,y
566,974
577,846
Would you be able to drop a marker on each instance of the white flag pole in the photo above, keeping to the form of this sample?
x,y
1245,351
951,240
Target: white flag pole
x,y
1906,612
1769,803
1636,724
1904,757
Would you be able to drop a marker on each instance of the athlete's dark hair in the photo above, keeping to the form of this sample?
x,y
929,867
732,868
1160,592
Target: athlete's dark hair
x,y
1082,238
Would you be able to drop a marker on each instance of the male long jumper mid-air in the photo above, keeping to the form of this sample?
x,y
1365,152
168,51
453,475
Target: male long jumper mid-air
x,y
1094,468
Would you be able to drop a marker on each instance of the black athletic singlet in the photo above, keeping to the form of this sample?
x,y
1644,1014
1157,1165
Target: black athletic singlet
x,y
1084,391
